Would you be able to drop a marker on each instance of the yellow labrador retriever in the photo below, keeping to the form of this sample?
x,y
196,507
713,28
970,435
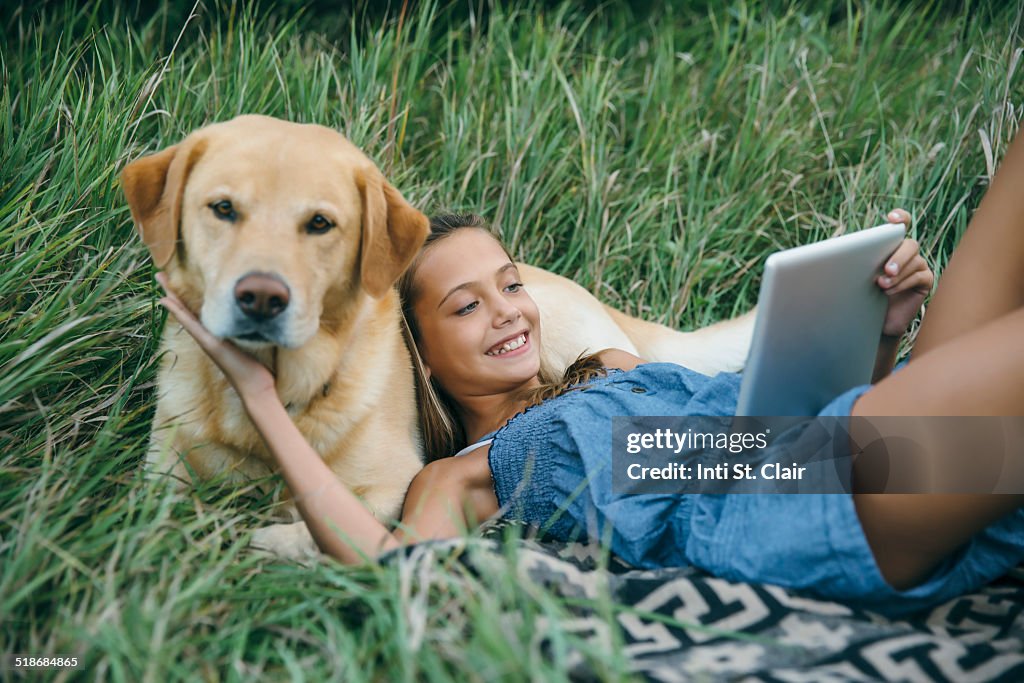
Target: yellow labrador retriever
x,y
287,239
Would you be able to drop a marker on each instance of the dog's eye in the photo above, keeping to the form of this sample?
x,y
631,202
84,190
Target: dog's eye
x,y
318,225
224,210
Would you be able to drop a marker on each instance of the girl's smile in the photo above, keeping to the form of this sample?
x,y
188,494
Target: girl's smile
x,y
517,344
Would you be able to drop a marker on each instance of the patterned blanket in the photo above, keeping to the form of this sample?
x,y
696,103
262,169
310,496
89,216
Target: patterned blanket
x,y
682,624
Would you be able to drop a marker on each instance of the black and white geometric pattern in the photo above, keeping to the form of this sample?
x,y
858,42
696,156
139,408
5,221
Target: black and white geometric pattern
x,y
684,624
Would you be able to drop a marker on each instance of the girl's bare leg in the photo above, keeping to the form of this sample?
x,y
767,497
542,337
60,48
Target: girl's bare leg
x,y
966,361
977,373
985,276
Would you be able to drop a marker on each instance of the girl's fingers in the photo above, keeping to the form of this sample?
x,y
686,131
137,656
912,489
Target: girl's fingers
x,y
916,265
190,323
898,216
162,279
180,314
907,248
897,263
241,369
183,315
920,281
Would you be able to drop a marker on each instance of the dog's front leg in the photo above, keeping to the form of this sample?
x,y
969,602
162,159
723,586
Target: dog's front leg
x,y
293,541
178,464
183,459
287,541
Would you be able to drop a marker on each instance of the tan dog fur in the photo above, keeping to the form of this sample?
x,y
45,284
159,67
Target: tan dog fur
x,y
341,366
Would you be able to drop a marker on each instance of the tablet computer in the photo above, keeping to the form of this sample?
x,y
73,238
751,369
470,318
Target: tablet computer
x,y
819,321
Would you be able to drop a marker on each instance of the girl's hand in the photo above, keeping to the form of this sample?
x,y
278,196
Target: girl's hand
x,y
248,376
906,280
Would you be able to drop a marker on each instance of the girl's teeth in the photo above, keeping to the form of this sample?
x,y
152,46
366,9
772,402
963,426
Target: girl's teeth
x,y
509,346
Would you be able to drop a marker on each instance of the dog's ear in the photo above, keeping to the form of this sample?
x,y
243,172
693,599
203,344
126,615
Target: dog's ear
x,y
393,232
154,186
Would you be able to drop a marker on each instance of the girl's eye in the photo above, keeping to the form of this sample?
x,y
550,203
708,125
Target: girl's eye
x,y
514,287
466,309
224,210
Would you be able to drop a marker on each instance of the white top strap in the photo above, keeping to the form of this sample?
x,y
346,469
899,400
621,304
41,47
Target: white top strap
x,y
473,447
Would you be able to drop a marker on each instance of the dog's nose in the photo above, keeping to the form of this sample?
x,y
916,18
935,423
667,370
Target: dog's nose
x,y
261,296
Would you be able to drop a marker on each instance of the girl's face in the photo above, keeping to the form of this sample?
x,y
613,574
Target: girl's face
x,y
479,329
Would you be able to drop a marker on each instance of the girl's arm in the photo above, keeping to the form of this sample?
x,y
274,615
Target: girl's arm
x,y
339,522
906,280
885,358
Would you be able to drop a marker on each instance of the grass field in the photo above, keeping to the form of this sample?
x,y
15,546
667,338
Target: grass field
x,y
656,156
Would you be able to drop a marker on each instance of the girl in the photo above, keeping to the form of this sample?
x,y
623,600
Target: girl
x,y
476,337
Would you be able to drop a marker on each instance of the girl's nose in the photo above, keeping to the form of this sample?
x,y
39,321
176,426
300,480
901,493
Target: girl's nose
x,y
506,313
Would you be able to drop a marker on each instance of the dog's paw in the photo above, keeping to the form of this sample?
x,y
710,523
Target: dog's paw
x,y
287,541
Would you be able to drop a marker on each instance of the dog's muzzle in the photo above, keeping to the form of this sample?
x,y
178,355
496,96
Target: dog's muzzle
x,y
260,298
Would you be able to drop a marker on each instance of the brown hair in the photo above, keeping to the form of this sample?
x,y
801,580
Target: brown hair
x,y
442,432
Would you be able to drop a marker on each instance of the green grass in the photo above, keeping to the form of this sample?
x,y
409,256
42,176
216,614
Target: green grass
x,y
655,157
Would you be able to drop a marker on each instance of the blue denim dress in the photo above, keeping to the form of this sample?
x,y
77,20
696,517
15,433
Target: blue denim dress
x,y
551,468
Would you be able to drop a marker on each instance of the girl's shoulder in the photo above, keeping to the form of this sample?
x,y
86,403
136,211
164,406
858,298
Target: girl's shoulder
x,y
619,359
469,464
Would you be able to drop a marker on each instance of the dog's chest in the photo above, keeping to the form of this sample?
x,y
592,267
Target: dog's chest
x,y
323,426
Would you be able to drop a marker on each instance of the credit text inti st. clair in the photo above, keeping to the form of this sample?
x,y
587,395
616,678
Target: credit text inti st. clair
x,y
675,442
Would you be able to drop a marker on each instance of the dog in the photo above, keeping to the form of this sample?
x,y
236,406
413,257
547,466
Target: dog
x,y
287,239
